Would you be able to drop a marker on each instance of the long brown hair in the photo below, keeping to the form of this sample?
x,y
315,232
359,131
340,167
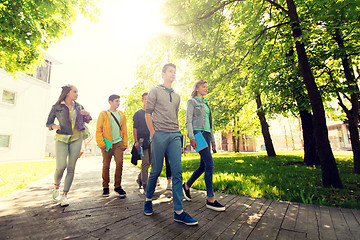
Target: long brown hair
x,y
64,92
197,84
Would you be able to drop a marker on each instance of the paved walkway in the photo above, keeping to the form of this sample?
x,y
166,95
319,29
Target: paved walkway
x,y
31,214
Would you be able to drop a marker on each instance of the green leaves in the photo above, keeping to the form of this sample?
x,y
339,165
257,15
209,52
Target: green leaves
x,y
242,47
27,28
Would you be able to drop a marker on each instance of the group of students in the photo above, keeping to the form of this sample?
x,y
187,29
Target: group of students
x,y
156,131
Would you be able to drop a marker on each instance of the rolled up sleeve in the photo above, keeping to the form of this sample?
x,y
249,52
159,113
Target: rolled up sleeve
x,y
189,119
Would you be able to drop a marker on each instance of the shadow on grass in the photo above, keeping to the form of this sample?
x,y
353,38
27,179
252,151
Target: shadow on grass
x,y
284,177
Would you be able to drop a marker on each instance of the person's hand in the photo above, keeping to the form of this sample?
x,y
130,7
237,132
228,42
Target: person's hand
x,y
152,133
56,127
84,113
193,143
213,146
103,148
137,145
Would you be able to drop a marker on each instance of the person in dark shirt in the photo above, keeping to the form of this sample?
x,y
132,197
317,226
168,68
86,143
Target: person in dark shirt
x,y
142,138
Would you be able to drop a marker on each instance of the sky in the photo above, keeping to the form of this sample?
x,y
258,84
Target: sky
x,y
100,58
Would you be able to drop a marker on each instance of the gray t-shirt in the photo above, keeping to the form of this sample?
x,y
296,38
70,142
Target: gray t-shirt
x,y
163,105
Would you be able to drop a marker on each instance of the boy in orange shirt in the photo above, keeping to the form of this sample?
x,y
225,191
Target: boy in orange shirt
x,y
111,125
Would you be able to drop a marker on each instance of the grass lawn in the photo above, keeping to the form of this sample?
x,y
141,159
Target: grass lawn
x,y
284,177
14,176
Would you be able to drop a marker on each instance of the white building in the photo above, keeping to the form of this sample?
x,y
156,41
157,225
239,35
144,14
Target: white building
x,y
24,107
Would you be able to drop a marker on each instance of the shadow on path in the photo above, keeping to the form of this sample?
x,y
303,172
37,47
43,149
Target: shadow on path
x,y
30,213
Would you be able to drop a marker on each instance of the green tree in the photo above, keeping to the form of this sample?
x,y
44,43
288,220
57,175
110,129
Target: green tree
x,y
29,27
337,54
210,45
202,19
148,74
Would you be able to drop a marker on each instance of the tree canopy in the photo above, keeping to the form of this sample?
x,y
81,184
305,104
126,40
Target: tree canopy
x,y
289,57
29,27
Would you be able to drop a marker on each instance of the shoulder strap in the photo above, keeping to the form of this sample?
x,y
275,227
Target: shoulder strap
x,y
115,119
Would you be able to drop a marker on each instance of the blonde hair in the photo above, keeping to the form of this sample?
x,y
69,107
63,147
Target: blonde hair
x,y
197,84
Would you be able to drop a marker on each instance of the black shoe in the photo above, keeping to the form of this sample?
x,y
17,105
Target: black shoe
x,y
216,206
139,183
120,191
106,192
186,193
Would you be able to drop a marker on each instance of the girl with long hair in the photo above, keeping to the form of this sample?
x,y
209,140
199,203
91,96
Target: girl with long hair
x,y
199,119
70,133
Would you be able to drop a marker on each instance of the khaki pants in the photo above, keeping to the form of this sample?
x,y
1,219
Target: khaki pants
x,y
145,164
117,151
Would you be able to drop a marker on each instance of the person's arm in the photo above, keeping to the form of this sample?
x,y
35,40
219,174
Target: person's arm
x,y
150,106
135,139
150,124
213,145
124,128
50,121
99,132
189,119
135,126
86,115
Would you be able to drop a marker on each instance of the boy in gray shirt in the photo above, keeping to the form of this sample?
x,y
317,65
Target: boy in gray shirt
x,y
161,115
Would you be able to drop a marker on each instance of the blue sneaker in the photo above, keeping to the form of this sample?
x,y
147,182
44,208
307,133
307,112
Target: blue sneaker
x,y
148,208
184,217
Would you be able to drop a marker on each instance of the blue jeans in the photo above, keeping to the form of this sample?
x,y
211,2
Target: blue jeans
x,y
206,165
169,143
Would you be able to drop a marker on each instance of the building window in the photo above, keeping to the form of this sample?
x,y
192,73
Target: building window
x,y
8,97
44,71
4,141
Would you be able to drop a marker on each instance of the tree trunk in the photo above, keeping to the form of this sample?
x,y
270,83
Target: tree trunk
x,y
355,143
234,142
310,155
352,115
265,128
330,173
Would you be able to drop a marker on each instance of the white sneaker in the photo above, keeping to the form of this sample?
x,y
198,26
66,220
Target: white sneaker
x,y
64,201
56,194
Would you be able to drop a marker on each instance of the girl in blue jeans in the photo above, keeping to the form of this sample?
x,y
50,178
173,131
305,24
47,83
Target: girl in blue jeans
x,y
199,119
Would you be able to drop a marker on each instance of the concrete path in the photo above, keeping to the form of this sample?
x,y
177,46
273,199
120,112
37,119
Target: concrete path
x,y
30,213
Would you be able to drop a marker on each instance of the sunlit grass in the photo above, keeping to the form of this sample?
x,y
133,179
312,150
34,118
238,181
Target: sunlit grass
x,y
284,177
14,176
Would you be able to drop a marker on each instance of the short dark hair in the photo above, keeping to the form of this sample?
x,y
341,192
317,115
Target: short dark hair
x,y
166,66
113,97
144,94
